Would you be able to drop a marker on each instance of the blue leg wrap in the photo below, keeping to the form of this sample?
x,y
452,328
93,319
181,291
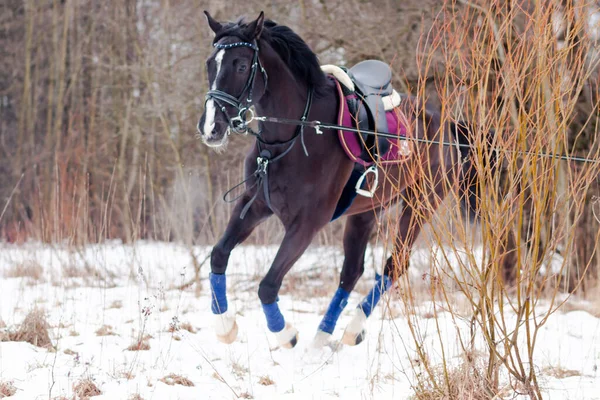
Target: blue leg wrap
x,y
218,287
275,321
382,284
338,302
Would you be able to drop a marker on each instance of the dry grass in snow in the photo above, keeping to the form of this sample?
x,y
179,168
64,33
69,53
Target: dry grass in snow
x,y
174,379
33,329
31,270
140,345
266,381
85,389
464,381
560,373
188,327
7,389
174,327
105,330
116,304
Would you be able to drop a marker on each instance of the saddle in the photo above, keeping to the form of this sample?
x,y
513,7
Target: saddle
x,y
368,90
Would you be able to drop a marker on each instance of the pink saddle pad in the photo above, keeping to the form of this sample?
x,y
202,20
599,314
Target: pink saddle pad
x,y
352,142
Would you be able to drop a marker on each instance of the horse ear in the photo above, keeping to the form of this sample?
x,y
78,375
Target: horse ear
x,y
255,28
214,25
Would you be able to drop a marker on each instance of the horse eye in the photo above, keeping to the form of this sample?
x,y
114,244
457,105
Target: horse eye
x,y
242,67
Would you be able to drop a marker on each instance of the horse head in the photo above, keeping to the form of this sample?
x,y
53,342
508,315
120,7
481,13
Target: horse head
x,y
236,79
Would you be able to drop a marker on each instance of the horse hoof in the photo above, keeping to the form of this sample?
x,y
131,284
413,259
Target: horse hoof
x,y
226,328
352,339
287,337
321,339
355,331
292,343
229,337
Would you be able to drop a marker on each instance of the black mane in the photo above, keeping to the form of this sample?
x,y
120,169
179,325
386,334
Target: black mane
x,y
294,52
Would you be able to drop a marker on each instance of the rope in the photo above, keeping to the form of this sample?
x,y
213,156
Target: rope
x,y
317,125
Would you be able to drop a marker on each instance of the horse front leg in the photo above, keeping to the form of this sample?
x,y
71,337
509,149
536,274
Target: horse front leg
x,y
237,231
295,242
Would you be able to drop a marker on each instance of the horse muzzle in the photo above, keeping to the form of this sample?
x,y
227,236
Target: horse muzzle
x,y
214,133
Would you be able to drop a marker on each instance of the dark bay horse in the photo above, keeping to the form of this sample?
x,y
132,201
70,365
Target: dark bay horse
x,y
268,66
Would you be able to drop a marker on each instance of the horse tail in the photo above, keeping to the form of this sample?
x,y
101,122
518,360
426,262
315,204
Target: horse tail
x,y
469,179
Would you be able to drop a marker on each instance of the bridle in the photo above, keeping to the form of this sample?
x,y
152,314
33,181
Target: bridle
x,y
242,103
239,124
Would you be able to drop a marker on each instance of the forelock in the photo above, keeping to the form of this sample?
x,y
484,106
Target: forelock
x,y
237,28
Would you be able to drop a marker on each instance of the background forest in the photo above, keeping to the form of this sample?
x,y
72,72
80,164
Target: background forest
x,y
99,103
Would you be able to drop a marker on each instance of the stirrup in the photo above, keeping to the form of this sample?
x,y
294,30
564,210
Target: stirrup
x,y
367,193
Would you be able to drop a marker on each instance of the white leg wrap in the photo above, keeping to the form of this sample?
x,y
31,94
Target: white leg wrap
x,y
353,334
225,326
321,339
287,337
357,324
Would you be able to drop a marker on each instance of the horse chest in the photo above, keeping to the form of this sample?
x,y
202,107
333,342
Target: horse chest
x,y
293,191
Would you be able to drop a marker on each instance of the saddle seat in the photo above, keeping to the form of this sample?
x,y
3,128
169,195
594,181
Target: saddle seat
x,y
372,77
369,94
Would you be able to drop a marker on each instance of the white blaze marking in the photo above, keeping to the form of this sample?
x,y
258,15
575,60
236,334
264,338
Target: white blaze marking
x,y
209,121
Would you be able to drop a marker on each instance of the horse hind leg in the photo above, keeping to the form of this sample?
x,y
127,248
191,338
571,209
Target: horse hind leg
x,y
356,238
355,330
395,267
418,209
236,232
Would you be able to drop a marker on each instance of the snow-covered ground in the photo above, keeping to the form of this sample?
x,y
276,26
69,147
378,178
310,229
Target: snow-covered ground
x,y
101,299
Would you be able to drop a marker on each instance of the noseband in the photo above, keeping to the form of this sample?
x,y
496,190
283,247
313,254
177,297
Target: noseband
x,y
239,123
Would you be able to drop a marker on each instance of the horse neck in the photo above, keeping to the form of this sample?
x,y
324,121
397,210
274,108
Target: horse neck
x,y
285,98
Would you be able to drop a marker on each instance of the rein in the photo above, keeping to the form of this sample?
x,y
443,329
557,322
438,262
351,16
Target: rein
x,y
318,126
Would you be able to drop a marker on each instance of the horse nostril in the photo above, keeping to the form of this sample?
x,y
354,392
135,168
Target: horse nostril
x,y
218,128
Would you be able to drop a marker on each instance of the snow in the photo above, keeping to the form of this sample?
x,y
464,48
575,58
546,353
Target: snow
x,y
133,289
